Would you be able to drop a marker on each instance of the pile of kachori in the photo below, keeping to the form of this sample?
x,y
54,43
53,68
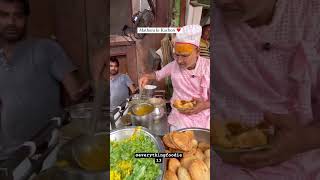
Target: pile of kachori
x,y
195,164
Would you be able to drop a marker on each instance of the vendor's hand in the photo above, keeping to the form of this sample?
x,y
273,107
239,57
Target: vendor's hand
x,y
286,143
199,106
143,81
145,78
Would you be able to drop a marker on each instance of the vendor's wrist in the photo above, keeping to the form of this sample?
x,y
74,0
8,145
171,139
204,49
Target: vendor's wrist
x,y
206,105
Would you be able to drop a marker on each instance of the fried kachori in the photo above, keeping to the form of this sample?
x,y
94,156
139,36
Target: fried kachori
x,y
233,135
169,175
167,141
203,146
195,160
199,154
207,161
182,140
183,174
186,161
190,153
183,105
173,164
249,139
198,170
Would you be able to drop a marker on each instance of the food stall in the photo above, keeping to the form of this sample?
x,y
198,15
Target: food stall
x,y
66,154
74,153
77,154
140,127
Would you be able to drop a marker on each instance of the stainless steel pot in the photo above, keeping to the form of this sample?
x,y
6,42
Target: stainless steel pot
x,y
82,115
145,120
148,91
84,110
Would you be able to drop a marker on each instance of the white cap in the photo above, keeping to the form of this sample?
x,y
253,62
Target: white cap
x,y
189,34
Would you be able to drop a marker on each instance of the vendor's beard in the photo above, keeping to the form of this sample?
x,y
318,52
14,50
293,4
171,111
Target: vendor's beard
x,y
185,66
12,37
193,66
113,72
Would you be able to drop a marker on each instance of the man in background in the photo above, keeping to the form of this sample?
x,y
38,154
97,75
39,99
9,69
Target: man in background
x,y
119,84
205,41
31,74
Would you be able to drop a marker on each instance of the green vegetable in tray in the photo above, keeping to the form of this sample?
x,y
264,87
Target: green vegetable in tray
x,y
124,165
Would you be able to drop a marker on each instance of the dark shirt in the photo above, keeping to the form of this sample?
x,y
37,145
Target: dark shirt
x,y
30,89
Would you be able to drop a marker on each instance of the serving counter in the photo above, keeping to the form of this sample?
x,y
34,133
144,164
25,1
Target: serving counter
x,y
122,118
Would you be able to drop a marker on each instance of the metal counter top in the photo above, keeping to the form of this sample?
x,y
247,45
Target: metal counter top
x,y
160,126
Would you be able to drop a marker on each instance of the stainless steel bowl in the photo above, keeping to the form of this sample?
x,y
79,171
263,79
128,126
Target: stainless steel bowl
x,y
159,107
145,120
82,114
84,110
127,132
148,91
158,112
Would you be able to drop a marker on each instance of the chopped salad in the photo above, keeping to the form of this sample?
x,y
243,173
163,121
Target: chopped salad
x,y
124,165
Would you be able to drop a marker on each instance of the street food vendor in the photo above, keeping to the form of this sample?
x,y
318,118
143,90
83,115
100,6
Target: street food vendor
x,y
31,72
190,75
268,69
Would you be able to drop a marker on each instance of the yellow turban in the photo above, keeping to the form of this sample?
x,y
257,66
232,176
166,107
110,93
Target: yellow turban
x,y
184,48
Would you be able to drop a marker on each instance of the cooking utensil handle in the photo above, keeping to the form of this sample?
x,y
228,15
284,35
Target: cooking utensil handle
x,y
42,136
